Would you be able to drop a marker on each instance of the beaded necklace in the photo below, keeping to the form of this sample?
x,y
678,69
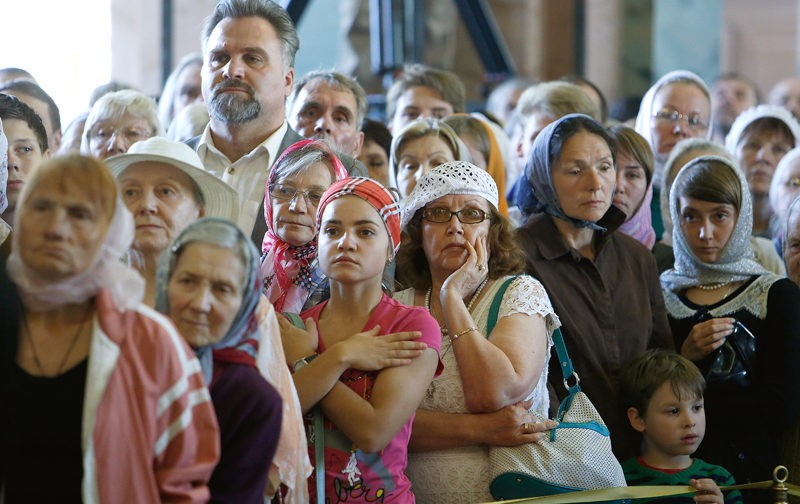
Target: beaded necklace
x,y
469,305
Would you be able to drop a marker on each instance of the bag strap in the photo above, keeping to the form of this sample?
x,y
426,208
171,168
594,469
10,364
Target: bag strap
x,y
565,363
494,310
319,454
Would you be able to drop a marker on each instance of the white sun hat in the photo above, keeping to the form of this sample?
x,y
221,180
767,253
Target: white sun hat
x,y
220,199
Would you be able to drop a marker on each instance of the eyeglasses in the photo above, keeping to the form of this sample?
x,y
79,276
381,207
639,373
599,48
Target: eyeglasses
x,y
441,215
694,121
289,193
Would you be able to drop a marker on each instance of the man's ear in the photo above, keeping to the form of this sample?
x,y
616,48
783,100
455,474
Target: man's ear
x,y
359,144
636,420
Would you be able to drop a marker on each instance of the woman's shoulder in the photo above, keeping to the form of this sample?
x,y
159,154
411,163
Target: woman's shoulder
x,y
240,383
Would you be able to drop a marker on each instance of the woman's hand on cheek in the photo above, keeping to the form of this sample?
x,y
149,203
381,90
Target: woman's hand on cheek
x,y
463,281
297,343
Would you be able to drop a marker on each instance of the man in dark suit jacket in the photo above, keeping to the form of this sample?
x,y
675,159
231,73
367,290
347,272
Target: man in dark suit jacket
x,y
248,71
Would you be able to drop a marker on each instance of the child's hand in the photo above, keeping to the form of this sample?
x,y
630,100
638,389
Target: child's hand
x,y
707,491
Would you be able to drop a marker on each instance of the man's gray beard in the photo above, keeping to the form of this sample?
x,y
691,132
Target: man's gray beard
x,y
234,110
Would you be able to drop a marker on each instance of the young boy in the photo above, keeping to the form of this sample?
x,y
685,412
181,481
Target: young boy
x,y
27,147
663,397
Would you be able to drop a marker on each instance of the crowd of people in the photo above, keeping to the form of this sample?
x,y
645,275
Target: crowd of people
x,y
248,291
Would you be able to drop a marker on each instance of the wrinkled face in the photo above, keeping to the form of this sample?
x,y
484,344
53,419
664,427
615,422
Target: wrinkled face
x,y
326,113
758,153
792,248
293,214
729,98
243,75
162,201
417,157
24,156
694,109
673,426
187,89
444,243
110,137
416,103
353,241
631,184
707,226
376,160
584,177
785,188
786,93
60,231
205,292
536,122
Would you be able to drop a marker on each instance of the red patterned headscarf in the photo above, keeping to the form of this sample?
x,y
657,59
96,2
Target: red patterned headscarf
x,y
289,271
374,193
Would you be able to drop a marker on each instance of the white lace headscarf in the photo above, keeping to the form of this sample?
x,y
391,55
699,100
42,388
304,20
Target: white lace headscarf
x,y
106,271
454,177
735,263
756,113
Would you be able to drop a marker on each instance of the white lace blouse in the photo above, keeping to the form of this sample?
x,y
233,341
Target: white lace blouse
x,y
462,474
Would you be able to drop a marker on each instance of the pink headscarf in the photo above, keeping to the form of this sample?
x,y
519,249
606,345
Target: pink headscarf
x,y
640,226
289,271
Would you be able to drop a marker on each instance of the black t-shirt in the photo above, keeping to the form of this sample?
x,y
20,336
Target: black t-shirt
x,y
40,445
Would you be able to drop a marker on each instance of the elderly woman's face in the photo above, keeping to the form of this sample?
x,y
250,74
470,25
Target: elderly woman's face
x,y
631,184
294,203
110,137
61,229
785,188
758,152
161,199
444,243
791,251
680,110
205,292
417,157
584,177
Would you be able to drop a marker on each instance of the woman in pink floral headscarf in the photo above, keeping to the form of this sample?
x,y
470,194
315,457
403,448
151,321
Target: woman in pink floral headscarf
x,y
292,280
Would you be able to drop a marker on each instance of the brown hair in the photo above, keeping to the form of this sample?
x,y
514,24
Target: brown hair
x,y
88,173
633,144
645,374
768,125
710,180
505,258
467,126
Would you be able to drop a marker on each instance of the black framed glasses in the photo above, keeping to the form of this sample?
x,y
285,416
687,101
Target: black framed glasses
x,y
441,215
694,121
288,193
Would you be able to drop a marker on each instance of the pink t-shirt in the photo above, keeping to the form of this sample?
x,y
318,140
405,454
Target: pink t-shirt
x,y
371,477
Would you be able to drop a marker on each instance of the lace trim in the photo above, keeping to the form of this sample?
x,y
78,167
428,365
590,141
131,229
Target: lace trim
x,y
753,300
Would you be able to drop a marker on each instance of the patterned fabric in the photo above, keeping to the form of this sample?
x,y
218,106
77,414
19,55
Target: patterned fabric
x,y
539,195
638,474
374,193
736,263
290,272
3,169
240,344
454,177
461,475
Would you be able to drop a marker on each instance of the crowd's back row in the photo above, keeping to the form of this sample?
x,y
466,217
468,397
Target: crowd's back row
x,y
431,262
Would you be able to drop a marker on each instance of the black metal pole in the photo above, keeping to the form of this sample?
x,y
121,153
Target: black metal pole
x,y
166,39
